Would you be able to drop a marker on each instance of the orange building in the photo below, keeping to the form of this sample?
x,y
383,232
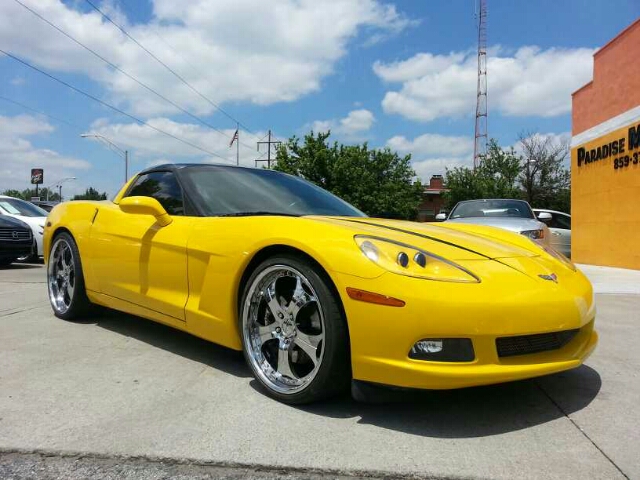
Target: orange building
x,y
605,157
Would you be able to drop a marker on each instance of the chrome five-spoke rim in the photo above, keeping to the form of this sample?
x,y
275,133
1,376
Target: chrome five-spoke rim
x,y
61,276
283,328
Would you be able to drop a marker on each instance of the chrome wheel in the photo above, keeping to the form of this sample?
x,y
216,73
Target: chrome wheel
x,y
61,276
284,329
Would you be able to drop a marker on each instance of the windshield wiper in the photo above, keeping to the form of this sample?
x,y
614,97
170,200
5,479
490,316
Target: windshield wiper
x,y
259,213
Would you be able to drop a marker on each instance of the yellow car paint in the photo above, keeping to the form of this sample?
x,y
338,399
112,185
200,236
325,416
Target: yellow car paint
x,y
187,273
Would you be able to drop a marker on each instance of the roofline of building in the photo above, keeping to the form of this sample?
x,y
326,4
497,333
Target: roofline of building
x,y
607,45
617,37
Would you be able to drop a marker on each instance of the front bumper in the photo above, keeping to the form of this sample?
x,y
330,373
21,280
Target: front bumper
x,y
505,303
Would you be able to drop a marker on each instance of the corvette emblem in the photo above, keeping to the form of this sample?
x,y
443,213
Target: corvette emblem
x,y
553,277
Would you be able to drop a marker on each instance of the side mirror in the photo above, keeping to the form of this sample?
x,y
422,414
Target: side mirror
x,y
441,217
145,206
544,216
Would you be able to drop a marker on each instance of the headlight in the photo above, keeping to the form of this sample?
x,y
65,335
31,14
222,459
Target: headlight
x,y
558,256
534,234
406,260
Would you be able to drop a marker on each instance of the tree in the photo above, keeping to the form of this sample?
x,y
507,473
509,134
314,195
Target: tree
x,y
495,177
378,182
28,193
545,181
91,194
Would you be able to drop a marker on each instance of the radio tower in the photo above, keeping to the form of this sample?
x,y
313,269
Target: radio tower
x,y
480,147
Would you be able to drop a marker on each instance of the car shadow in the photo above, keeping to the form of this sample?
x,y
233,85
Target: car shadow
x,y
171,340
472,412
464,413
21,266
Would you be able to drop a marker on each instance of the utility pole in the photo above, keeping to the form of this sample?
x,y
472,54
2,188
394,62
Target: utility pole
x,y
238,144
481,136
269,142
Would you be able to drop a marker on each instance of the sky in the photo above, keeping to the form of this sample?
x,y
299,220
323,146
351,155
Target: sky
x,y
396,74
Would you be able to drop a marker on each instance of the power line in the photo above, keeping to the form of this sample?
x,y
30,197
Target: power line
x,y
268,152
77,127
177,75
194,67
82,92
111,64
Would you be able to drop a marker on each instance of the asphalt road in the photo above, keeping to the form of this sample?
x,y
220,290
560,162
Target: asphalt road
x,y
120,397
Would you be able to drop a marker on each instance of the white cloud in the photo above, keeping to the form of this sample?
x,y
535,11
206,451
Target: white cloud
x,y
531,82
18,156
432,154
17,81
355,123
230,51
156,148
431,144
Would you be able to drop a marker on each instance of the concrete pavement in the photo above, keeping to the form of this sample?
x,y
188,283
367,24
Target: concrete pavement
x,y
118,385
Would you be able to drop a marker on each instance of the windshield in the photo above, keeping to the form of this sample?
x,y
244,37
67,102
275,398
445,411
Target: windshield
x,y
492,208
15,206
230,191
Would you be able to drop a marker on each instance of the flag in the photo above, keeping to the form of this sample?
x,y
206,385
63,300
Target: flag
x,y
235,137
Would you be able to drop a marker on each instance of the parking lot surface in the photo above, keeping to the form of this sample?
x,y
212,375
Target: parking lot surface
x,y
115,387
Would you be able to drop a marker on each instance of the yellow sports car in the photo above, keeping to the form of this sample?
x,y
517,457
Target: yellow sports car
x,y
316,294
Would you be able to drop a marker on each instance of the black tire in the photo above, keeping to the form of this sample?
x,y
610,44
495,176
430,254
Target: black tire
x,y
5,262
334,371
78,304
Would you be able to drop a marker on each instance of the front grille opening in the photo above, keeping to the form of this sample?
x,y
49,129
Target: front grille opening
x,y
540,342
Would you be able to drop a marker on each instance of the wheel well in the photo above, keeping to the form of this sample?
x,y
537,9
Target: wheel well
x,y
57,232
273,250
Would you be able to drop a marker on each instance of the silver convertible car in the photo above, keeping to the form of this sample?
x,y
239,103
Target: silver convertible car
x,y
514,215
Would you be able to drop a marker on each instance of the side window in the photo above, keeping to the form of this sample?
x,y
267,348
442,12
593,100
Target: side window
x,y
162,186
560,221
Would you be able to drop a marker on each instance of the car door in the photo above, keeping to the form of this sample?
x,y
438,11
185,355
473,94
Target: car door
x,y
560,227
137,260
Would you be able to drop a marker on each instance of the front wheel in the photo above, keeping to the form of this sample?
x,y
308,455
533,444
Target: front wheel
x,y
65,280
294,334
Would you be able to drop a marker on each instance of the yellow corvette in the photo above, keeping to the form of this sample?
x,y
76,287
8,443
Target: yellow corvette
x,y
315,293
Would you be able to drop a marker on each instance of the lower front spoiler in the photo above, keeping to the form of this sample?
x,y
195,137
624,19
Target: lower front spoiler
x,y
445,376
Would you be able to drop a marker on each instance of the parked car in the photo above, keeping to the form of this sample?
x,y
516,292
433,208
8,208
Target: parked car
x,y
314,292
514,215
43,204
560,227
16,240
29,213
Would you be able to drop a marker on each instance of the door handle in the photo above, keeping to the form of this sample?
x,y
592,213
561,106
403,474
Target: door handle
x,y
557,234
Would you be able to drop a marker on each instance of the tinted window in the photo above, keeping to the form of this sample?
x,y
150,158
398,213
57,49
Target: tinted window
x,y
162,186
15,206
492,208
560,221
250,191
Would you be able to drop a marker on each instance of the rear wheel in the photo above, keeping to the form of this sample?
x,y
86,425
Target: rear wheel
x,y
65,280
294,334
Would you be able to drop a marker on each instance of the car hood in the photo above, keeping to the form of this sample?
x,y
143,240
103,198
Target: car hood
x,y
33,222
508,223
7,221
452,242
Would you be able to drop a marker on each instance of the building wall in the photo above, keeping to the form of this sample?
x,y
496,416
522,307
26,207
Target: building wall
x,y
605,157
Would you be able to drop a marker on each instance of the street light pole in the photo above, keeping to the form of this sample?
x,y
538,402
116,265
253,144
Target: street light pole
x,y
59,185
112,146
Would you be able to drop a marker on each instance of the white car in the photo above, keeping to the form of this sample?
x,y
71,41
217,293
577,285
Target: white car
x,y
513,215
30,214
560,227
